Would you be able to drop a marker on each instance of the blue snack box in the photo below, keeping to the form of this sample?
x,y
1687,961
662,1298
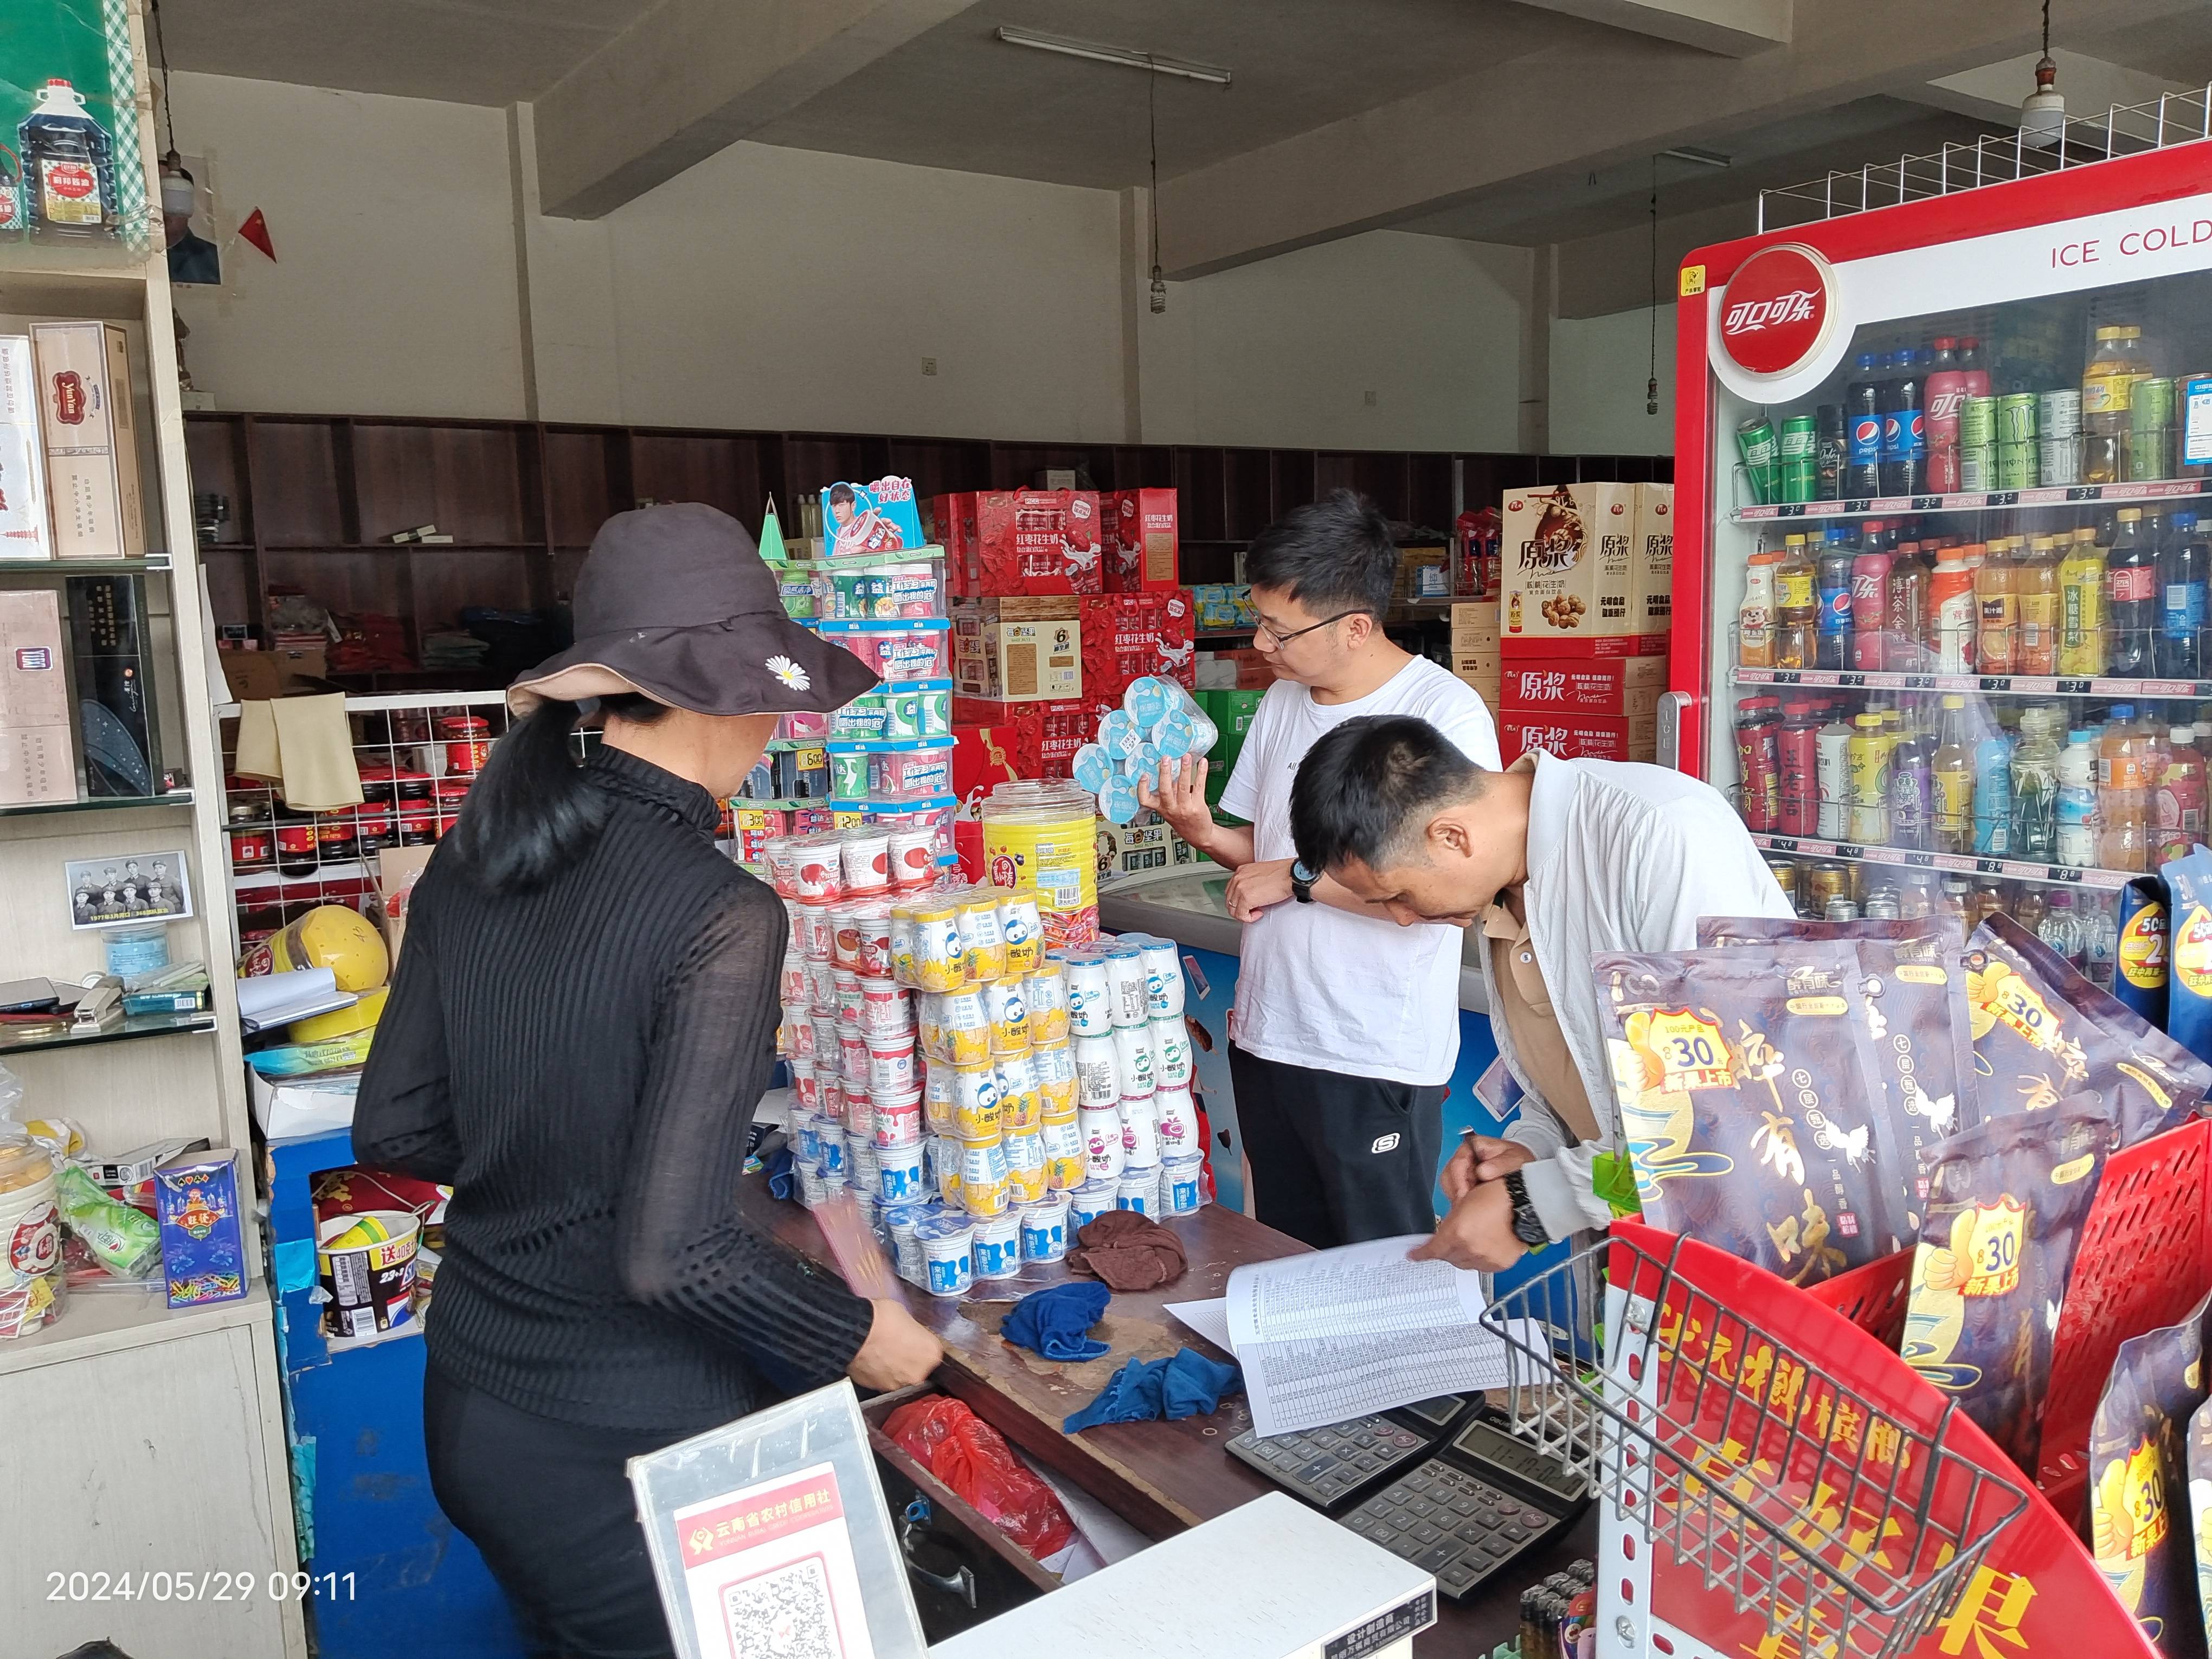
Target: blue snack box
x,y
203,1232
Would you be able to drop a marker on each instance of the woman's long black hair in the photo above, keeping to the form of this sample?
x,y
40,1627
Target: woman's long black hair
x,y
531,814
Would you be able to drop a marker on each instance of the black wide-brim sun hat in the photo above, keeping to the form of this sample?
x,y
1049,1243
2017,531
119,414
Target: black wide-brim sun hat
x,y
676,602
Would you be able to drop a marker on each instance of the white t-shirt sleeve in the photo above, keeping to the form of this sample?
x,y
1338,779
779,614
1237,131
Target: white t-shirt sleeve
x,y
1468,723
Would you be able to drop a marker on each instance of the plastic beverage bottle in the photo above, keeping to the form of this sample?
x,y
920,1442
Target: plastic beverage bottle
x,y
69,168
1913,792
2081,607
2131,599
2029,908
1904,428
2124,792
1862,428
2078,828
1993,795
1906,624
1798,742
1945,390
1833,743
2179,818
1871,600
2182,576
1796,606
1754,618
2061,928
1832,583
2035,584
1997,599
2100,937
1869,754
1970,366
1957,900
1954,619
1952,773
2035,788
2118,361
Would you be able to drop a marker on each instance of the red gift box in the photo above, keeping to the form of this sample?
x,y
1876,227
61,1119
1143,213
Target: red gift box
x,y
1143,549
996,742
1128,635
1615,687
1022,541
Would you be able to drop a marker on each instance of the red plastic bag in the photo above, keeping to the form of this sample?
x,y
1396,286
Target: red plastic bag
x,y
973,1458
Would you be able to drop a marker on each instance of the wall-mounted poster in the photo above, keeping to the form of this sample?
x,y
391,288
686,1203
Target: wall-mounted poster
x,y
70,168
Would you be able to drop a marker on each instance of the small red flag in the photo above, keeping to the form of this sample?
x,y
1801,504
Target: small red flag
x,y
256,231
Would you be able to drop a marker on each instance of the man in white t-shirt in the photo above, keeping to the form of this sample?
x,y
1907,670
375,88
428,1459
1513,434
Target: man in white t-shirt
x,y
1346,1026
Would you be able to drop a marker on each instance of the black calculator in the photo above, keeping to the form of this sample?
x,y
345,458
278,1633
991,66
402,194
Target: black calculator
x,y
1334,1466
1485,1499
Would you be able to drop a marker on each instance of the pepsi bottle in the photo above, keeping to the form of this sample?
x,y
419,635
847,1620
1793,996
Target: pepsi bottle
x,y
1904,429
1862,431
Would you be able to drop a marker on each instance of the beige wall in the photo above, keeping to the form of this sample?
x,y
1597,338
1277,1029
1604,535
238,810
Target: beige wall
x,y
1600,369
788,288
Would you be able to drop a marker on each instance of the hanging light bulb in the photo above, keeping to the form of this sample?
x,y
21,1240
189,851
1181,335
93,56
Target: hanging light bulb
x,y
2043,112
1159,292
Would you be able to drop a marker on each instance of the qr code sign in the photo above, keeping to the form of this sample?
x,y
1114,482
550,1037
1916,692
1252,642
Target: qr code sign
x,y
784,1613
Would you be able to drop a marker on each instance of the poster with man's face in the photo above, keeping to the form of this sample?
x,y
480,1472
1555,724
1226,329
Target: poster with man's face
x,y
188,226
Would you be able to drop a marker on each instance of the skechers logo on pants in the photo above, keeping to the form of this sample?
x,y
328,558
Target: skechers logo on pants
x,y
1384,1143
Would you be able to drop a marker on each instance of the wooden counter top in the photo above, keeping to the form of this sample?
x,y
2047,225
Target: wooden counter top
x,y
1160,1477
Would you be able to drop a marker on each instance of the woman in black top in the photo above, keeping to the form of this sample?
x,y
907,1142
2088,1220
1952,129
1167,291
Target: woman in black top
x,y
583,1021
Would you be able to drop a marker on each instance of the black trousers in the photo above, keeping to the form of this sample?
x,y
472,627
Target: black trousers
x,y
1336,1160
548,1505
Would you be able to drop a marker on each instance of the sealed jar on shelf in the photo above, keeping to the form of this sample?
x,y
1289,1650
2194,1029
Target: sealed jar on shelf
x,y
32,1278
253,836
337,836
451,792
467,739
1042,835
295,843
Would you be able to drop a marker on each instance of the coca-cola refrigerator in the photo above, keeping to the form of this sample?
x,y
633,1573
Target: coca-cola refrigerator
x,y
1943,531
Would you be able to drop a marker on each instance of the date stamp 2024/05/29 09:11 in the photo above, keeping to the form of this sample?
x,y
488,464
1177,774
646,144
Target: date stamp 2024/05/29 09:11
x,y
196,1584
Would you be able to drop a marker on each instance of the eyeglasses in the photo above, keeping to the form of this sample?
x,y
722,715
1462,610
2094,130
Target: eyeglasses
x,y
1271,632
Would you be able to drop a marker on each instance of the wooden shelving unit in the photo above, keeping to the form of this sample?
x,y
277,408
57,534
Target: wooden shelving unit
x,y
166,1451
313,497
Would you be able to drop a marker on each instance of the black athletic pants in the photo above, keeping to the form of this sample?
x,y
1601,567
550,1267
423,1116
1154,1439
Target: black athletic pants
x,y
549,1508
1336,1160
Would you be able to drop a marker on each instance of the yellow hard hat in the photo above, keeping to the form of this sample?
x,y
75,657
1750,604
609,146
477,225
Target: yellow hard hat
x,y
331,936
343,1022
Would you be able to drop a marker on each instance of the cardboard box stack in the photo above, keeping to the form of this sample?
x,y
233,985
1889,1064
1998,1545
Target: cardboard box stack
x,y
1143,546
1017,649
1002,541
1587,608
1128,635
1474,648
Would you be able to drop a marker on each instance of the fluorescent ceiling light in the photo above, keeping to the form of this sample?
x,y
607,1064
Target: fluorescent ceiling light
x,y
1704,158
1121,55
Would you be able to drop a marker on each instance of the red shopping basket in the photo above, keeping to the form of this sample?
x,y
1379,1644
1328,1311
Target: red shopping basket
x,y
1774,1482
2145,1261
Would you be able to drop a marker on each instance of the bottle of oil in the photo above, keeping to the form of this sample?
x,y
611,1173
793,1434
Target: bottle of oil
x,y
69,168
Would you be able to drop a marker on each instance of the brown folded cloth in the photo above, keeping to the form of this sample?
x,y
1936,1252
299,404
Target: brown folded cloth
x,y
1128,1252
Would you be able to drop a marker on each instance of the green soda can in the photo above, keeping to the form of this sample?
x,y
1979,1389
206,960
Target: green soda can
x,y
2016,464
1978,422
1762,459
2016,419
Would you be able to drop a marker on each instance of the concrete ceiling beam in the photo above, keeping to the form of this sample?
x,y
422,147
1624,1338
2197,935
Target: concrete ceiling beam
x,y
1731,28
1592,103
691,77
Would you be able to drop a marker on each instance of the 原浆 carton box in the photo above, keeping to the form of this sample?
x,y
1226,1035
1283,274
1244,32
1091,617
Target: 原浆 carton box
x,y
1654,555
38,761
1570,559
1578,736
1621,687
91,441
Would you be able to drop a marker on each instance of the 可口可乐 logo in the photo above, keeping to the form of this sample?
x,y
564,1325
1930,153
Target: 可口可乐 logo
x,y
1384,1143
1796,306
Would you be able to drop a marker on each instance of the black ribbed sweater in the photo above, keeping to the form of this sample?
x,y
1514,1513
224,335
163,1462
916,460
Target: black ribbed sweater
x,y
581,1064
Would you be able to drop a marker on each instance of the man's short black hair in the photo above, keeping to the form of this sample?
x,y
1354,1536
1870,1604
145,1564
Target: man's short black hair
x,y
1331,556
841,493
1368,789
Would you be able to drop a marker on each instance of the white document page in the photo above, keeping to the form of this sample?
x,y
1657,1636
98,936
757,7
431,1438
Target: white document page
x,y
1336,1333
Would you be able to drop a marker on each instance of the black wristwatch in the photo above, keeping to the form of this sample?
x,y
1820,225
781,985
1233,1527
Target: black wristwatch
x,y
1527,1225
1302,881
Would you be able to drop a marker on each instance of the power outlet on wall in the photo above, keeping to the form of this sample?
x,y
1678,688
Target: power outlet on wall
x,y
1370,400
929,365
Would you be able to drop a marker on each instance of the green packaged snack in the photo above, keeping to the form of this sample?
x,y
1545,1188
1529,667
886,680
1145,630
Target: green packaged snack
x,y
2006,1202
2138,1470
124,1241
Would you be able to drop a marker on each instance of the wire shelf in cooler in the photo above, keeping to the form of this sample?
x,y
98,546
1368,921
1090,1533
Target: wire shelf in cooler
x,y
1987,501
1945,864
2016,685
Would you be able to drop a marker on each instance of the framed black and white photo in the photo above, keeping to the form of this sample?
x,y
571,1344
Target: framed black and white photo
x,y
127,889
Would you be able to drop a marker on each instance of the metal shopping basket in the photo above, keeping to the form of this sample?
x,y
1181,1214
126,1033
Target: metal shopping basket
x,y
1774,1483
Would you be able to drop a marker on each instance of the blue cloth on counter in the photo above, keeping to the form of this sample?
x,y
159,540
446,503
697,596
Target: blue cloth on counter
x,y
1188,1384
782,1176
1053,1322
